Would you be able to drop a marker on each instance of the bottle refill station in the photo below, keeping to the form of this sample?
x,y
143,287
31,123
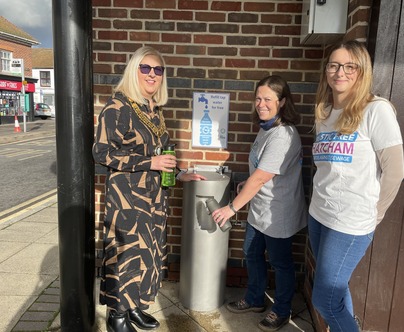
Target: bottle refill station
x,y
204,246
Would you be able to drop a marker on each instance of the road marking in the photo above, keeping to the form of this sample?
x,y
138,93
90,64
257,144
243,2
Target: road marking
x,y
27,206
42,142
39,153
27,153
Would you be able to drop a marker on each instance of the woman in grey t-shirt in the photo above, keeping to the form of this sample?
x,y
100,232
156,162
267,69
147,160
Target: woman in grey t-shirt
x,y
277,206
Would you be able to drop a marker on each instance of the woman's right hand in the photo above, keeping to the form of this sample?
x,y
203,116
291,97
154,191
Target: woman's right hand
x,y
164,162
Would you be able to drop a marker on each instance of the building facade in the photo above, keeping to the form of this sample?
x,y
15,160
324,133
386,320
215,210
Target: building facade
x,y
42,70
216,47
16,82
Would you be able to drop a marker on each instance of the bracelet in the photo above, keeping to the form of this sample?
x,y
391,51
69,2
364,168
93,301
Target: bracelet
x,y
232,207
182,171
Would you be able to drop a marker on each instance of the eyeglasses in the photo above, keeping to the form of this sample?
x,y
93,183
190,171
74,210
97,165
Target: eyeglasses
x,y
349,68
145,69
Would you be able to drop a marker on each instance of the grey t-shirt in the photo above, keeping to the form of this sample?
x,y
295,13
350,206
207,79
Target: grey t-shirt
x,y
279,208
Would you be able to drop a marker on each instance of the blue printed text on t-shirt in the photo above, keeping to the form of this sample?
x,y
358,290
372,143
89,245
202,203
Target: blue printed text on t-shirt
x,y
333,147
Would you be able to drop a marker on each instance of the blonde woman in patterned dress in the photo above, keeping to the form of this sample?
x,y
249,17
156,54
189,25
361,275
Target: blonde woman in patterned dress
x,y
129,138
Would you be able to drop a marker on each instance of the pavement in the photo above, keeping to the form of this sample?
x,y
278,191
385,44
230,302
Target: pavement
x,y
35,129
29,273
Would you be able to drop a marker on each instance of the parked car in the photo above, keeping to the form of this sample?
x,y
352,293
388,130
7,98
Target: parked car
x,y
42,110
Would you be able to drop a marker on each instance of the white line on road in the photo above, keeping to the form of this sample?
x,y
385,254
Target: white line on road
x,y
39,154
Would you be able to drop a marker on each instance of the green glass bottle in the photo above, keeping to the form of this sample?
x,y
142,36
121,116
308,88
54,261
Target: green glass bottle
x,y
168,178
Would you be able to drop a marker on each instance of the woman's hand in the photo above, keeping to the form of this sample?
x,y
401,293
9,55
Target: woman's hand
x,y
191,177
164,162
221,215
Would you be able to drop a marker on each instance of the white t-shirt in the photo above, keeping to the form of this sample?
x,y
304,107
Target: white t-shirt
x,y
346,184
279,208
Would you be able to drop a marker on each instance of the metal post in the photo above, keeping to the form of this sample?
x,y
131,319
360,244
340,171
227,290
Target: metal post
x,y
72,37
23,96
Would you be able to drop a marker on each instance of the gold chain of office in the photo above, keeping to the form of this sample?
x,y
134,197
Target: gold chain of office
x,y
158,131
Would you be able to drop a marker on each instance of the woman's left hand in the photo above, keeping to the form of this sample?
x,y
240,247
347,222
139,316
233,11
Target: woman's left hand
x,y
191,177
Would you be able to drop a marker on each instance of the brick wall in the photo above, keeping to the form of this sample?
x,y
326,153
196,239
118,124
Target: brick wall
x,y
215,46
19,52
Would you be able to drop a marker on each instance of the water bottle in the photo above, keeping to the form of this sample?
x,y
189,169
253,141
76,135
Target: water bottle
x,y
205,137
213,205
168,178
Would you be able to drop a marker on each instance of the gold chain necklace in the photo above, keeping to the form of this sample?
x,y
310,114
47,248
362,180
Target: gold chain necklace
x,y
158,131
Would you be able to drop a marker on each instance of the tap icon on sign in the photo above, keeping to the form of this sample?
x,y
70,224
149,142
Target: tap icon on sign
x,y
202,99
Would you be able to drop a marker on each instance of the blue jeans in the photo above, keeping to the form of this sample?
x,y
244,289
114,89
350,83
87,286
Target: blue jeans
x,y
281,259
337,255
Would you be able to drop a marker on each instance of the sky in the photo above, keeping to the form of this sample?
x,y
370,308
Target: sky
x,y
32,16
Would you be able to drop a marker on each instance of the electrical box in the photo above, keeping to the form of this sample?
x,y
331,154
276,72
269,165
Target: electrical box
x,y
323,22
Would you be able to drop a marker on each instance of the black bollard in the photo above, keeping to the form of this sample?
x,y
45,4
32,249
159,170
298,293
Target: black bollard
x,y
72,40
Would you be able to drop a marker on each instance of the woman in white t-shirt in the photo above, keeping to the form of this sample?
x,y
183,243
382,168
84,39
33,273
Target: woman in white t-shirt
x,y
359,158
277,208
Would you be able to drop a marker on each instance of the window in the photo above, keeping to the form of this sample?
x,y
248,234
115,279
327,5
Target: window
x,y
5,61
45,78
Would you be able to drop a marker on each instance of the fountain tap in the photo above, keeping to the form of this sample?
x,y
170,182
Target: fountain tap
x,y
220,170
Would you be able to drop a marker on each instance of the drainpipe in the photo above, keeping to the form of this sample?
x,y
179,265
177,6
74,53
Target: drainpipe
x,y
72,42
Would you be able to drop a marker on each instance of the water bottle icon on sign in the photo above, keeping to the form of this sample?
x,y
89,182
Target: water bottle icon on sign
x,y
205,136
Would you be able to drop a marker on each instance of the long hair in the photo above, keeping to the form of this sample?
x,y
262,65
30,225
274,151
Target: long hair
x,y
287,113
360,95
128,84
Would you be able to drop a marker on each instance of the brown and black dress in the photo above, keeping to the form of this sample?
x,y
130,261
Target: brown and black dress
x,y
135,204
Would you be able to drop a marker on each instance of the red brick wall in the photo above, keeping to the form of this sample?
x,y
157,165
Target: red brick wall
x,y
216,46
19,52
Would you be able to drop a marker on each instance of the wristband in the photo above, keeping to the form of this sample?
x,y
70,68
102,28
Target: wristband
x,y
232,207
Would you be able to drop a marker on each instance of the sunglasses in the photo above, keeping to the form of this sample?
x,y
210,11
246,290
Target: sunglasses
x,y
145,69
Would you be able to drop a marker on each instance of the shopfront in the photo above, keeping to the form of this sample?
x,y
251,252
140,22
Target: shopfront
x,y
13,101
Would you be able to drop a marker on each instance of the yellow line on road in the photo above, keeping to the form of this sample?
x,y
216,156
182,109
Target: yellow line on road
x,y
27,206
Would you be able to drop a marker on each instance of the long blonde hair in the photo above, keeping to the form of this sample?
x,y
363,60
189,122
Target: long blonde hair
x,y
361,95
128,84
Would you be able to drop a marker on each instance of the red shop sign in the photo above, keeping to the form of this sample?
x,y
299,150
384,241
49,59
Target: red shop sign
x,y
16,86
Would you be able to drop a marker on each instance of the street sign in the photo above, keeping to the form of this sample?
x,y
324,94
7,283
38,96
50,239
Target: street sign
x,y
22,102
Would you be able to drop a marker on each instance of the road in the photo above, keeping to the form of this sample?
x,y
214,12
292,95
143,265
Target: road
x,y
28,171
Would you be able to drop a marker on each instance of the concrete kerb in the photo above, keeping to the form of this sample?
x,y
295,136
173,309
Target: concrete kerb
x,y
26,137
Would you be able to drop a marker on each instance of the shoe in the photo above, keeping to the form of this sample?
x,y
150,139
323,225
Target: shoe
x,y
118,322
142,319
273,322
242,306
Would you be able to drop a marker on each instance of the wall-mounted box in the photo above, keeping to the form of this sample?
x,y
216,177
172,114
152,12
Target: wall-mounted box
x,y
323,21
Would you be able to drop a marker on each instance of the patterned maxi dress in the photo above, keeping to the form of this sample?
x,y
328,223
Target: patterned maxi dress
x,y
136,205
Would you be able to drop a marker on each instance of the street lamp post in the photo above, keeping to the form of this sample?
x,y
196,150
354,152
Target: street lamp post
x,y
72,39
22,99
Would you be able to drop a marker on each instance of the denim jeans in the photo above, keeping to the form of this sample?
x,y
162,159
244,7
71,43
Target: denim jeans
x,y
281,259
337,255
